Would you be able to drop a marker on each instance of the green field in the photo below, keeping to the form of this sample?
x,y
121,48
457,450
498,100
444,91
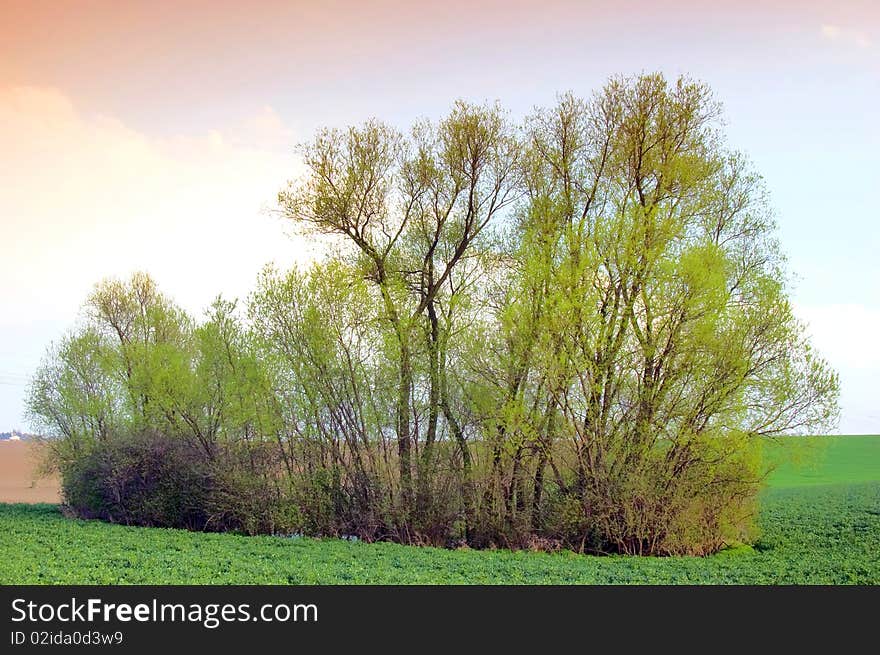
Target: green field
x,y
820,523
825,460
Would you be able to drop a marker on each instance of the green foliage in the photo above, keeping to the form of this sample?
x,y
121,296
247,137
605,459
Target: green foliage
x,y
155,480
144,480
572,332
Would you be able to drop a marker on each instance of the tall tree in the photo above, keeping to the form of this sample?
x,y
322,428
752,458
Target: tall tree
x,y
415,209
663,336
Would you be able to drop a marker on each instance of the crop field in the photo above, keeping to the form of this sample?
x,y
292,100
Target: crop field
x,y
18,481
820,524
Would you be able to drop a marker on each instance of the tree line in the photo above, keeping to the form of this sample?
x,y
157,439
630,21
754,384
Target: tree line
x,y
571,331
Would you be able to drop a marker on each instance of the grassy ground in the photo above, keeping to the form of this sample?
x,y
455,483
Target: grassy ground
x,y
825,460
820,524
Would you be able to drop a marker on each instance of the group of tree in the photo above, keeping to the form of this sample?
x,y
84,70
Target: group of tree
x,y
567,332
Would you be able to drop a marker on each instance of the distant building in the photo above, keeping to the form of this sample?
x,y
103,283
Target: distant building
x,y
14,435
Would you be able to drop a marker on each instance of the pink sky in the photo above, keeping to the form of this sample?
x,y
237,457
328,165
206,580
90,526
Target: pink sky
x,y
169,64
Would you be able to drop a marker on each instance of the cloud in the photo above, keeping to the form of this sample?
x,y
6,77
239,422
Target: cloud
x,y
862,40
86,196
846,336
831,32
850,37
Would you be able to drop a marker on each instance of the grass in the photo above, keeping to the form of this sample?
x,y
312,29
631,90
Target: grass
x,y
820,524
825,460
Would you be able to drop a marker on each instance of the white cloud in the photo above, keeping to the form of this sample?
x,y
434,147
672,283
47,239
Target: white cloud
x,y
848,36
862,40
831,31
84,197
846,335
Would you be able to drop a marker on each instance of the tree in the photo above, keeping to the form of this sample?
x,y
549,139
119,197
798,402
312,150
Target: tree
x,y
416,209
652,319
159,420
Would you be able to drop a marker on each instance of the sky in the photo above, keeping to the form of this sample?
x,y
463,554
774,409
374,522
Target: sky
x,y
155,135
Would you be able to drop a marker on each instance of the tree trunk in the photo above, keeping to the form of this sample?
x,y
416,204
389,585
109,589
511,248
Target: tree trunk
x,y
426,465
404,441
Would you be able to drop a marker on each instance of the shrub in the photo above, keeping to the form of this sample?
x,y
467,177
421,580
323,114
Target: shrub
x,y
144,479
152,479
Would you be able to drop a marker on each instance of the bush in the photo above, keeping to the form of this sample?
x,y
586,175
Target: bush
x,y
146,479
153,479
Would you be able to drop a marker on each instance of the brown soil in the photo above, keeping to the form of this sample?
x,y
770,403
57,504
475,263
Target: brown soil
x,y
19,481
